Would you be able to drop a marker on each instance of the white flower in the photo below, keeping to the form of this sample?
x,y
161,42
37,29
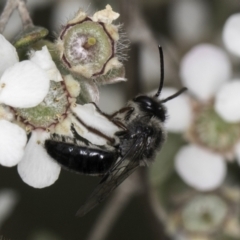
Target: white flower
x,y
23,85
12,141
196,166
206,72
36,168
204,69
231,34
44,60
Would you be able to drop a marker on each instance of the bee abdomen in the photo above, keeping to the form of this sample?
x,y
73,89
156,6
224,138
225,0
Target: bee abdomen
x,y
81,159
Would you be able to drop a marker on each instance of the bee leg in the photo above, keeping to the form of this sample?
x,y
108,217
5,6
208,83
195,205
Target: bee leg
x,y
100,111
93,130
111,117
78,137
123,110
119,124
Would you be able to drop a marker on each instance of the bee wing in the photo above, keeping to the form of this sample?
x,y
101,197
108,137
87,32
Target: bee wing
x,y
115,176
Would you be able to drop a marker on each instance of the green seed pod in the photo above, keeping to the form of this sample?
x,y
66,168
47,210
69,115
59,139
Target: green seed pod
x,y
87,46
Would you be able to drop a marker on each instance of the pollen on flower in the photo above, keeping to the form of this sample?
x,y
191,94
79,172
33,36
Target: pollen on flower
x,y
28,129
3,85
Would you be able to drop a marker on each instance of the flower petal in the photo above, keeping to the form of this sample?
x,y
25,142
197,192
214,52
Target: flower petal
x,y
23,85
8,54
44,60
37,169
178,111
200,168
6,113
91,117
227,101
12,142
204,69
72,85
231,34
106,16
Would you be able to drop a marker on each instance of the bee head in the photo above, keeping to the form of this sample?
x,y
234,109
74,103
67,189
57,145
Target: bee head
x,y
151,106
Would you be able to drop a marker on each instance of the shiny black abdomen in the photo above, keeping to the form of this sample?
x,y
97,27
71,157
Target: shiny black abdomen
x,y
81,159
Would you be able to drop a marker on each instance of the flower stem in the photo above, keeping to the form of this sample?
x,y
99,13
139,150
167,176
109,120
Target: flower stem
x,y
10,6
24,14
6,14
114,208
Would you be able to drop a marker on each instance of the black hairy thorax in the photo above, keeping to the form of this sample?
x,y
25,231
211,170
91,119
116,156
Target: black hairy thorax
x,y
143,130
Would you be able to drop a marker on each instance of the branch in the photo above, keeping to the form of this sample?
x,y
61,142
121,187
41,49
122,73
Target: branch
x,y
153,209
114,208
10,6
24,14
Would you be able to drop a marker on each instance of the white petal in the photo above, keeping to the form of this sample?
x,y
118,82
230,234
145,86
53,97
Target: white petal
x,y
91,117
178,111
37,169
106,16
8,54
200,168
231,34
23,85
12,143
6,113
44,60
227,101
72,85
204,69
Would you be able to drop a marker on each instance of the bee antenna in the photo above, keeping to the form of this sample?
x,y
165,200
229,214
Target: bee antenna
x,y
174,95
162,71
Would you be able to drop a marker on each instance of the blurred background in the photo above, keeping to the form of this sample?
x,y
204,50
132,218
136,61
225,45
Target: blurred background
x,y
49,214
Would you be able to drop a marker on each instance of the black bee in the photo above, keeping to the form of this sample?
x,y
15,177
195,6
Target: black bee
x,y
141,135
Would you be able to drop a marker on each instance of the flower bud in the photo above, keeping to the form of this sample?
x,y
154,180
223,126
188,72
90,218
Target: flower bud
x,y
30,36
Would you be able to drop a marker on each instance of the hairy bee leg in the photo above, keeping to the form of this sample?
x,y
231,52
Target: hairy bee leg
x,y
110,117
100,111
79,137
122,110
119,124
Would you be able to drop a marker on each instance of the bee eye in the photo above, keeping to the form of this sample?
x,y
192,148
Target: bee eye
x,y
143,101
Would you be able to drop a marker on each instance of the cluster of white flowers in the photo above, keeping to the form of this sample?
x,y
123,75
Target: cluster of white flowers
x,y
208,114
36,100
23,85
